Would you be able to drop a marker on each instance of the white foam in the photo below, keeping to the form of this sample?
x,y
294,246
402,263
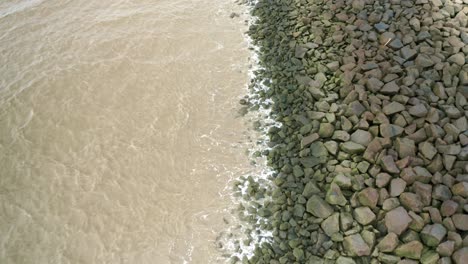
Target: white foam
x,y
13,8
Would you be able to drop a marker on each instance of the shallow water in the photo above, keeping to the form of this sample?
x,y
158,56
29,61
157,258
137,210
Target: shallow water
x,y
118,129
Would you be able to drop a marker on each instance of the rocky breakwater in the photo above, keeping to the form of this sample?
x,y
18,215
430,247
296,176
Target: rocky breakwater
x,y
371,159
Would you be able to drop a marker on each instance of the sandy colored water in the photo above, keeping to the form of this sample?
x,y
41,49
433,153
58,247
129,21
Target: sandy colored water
x,y
118,129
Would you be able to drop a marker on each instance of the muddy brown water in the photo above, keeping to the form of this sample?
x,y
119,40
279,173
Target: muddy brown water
x,y
119,131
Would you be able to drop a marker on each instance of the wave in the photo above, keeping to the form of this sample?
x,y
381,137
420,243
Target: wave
x,y
17,6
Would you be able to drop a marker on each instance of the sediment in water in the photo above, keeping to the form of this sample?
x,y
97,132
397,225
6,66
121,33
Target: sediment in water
x,y
370,158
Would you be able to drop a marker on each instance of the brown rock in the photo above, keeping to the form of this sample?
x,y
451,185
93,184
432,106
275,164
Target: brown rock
x,y
368,197
411,201
356,246
424,191
460,189
410,250
448,208
388,164
397,186
460,221
461,256
388,243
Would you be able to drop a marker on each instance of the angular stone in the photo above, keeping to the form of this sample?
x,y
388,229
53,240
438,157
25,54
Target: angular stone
x,y
418,110
410,250
397,187
423,61
309,140
361,137
335,196
405,147
424,191
427,149
429,257
388,164
352,148
388,243
390,88
343,260
356,246
368,197
318,207
432,235
460,221
341,135
382,179
372,150
441,193
390,131
355,108
407,53
364,215
411,201
310,189
374,84
331,225
397,220
393,108
458,59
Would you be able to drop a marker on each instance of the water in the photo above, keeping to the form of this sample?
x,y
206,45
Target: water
x,y
119,131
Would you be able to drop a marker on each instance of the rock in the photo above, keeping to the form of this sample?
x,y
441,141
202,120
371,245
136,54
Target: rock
x,y
342,181
331,225
397,220
411,201
374,84
424,191
361,137
458,59
393,108
318,207
356,246
418,110
405,147
326,130
446,249
388,164
407,53
335,196
356,108
344,260
441,193
368,197
395,44
390,131
432,235
388,243
390,88
427,149
364,215
448,208
423,61
429,257
310,189
397,186
352,148
309,140
410,250
341,135
460,189
461,256
382,179
460,221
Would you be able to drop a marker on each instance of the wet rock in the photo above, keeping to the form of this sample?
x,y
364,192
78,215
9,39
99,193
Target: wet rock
x,y
318,207
432,235
356,246
397,220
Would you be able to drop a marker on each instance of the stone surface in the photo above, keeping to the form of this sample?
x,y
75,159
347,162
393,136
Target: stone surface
x,y
368,197
460,221
318,207
412,250
356,246
335,196
461,256
397,220
432,235
388,243
364,215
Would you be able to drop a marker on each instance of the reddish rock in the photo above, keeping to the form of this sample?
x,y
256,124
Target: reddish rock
x,y
397,220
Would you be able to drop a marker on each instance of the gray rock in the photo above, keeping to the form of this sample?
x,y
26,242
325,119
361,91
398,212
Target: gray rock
x,y
458,59
318,207
397,187
352,148
364,215
390,88
397,220
335,196
424,61
331,225
390,131
460,221
432,235
388,243
361,137
356,246
393,108
374,84
408,53
427,149
460,256
418,110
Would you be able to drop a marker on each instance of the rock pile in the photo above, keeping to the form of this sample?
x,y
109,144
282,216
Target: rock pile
x,y
371,159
